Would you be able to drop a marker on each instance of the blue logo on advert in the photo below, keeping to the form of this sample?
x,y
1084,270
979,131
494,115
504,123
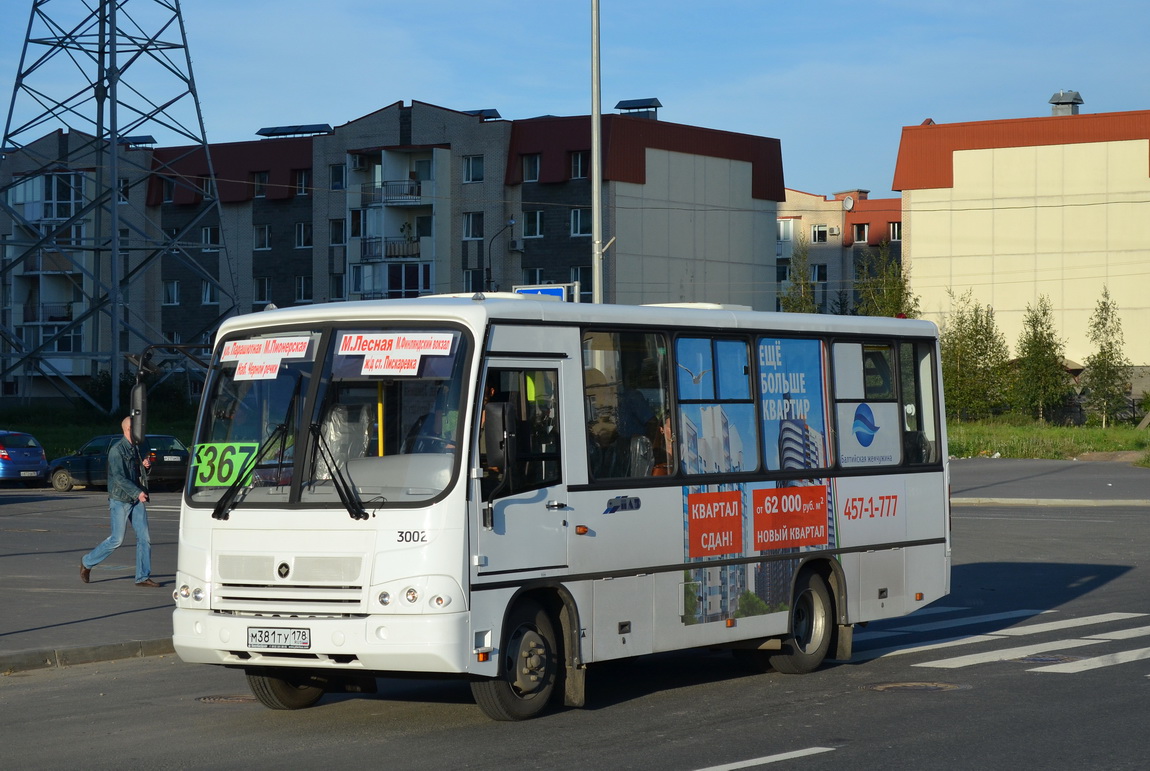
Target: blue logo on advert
x,y
864,426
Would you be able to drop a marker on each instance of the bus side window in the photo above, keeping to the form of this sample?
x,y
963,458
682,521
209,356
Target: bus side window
x,y
920,422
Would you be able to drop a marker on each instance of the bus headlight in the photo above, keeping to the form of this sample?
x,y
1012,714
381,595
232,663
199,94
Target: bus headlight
x,y
412,595
385,598
440,601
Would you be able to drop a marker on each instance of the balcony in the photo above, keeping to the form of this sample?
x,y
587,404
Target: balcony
x,y
50,261
47,313
396,192
376,249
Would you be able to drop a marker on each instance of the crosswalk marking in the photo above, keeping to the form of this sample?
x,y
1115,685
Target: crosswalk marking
x,y
1109,660
898,650
970,620
1068,623
1124,634
1004,654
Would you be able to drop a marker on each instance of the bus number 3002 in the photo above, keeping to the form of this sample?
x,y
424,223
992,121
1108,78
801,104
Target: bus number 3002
x,y
411,536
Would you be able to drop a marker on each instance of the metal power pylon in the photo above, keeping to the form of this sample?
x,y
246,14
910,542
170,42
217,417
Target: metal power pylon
x,y
82,191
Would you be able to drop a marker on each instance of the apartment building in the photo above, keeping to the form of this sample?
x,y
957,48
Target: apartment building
x,y
411,199
1013,209
842,233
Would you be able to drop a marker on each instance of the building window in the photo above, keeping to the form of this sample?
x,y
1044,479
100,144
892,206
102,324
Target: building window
x,y
122,188
896,231
357,223
171,292
473,168
210,238
175,338
786,236
338,288
303,235
472,225
259,184
861,232
262,290
580,164
262,237
338,232
818,234
303,181
408,279
531,167
532,276
169,185
357,278
580,222
819,280
533,224
338,176
209,293
582,276
473,280
67,342
303,289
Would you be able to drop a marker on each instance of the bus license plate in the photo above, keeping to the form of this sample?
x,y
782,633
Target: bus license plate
x,y
273,637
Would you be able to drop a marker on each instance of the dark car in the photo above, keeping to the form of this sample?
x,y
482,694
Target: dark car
x,y
22,459
89,466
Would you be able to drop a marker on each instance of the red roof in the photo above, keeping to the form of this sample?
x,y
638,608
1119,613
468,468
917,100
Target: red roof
x,y
925,153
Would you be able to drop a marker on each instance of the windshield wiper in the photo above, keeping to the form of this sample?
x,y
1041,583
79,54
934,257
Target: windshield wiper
x,y
228,501
343,488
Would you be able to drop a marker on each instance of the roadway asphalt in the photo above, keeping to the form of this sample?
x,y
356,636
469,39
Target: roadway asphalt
x,y
48,618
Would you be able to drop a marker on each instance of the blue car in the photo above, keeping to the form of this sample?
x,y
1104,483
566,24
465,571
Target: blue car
x,y
89,465
22,459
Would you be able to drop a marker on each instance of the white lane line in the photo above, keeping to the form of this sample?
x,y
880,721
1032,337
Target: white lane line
x,y
1003,654
898,650
769,759
1108,660
1068,623
1123,634
970,620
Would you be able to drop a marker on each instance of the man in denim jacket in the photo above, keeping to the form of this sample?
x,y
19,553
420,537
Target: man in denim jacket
x,y
127,494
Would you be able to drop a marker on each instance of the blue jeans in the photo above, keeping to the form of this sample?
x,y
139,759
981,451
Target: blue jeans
x,y
121,512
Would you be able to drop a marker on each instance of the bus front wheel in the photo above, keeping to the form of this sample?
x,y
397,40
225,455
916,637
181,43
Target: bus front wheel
x,y
528,669
283,691
812,624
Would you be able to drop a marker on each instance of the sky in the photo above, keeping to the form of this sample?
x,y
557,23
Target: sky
x,y
834,80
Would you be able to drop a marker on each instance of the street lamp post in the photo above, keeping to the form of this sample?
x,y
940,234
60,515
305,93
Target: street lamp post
x,y
486,276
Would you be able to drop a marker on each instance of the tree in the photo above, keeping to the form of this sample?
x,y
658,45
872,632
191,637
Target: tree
x,y
1107,372
975,372
1041,383
883,288
799,296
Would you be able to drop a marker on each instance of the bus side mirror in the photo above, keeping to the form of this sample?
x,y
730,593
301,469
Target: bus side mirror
x,y
139,413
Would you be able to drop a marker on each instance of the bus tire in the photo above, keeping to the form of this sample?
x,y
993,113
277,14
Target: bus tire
x,y
283,692
528,670
812,627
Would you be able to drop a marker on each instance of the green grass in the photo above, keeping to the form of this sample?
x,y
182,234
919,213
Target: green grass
x,y
64,430
1034,440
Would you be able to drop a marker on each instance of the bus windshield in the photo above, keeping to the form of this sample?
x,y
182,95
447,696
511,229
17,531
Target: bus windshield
x,y
359,418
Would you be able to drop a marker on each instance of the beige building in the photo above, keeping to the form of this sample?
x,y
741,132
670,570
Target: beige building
x,y
1014,209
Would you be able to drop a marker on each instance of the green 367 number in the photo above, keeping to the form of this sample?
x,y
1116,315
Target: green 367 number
x,y
218,464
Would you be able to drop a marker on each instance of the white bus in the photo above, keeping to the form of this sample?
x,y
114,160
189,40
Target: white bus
x,y
508,490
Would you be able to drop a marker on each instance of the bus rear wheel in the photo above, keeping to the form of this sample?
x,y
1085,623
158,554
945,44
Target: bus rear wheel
x,y
528,670
283,690
812,625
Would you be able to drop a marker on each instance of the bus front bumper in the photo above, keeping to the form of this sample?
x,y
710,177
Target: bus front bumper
x,y
432,643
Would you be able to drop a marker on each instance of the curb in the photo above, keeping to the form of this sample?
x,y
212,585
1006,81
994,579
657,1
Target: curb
x,y
1047,502
51,658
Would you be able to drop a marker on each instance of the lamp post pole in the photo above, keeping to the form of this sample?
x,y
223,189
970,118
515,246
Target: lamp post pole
x,y
596,164
486,277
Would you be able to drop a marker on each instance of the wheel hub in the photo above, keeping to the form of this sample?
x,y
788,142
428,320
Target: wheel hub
x,y
531,664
